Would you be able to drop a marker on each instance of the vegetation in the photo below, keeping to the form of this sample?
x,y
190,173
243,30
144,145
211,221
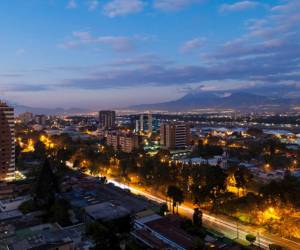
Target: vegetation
x,y
275,247
197,217
250,238
163,209
176,195
103,238
205,186
109,235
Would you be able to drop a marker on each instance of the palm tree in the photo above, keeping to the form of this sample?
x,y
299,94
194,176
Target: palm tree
x,y
176,194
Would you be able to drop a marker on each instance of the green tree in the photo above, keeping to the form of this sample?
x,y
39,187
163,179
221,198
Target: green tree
x,y
103,237
242,176
40,150
198,244
197,217
59,212
176,194
251,238
46,186
27,207
254,131
163,209
275,247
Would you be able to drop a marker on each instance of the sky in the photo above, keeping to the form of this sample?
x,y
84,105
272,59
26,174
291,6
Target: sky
x,y
116,53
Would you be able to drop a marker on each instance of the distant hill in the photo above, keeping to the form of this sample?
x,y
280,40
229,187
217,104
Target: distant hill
x,y
252,99
48,111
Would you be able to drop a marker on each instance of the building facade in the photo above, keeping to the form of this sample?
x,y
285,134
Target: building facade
x,y
174,135
126,142
7,143
107,119
26,117
40,119
144,123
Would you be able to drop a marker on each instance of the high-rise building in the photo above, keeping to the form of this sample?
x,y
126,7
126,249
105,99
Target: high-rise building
x,y
126,142
107,119
144,124
40,119
26,117
174,135
7,143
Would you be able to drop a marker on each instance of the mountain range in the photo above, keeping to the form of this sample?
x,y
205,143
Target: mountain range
x,y
254,98
257,98
19,109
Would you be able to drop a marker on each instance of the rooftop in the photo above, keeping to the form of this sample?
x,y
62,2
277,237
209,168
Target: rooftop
x,y
45,236
106,211
169,227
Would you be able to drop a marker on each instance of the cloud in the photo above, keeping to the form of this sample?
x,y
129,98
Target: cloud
x,y
268,53
238,6
92,5
145,59
193,44
173,5
8,75
83,38
24,87
20,52
123,7
72,4
292,5
267,69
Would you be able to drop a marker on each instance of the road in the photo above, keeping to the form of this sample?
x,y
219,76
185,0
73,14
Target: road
x,y
225,226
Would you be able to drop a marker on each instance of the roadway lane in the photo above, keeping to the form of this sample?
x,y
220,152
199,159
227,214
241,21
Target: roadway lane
x,y
224,226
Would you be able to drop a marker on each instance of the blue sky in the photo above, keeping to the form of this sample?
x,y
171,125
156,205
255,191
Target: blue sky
x,y
115,53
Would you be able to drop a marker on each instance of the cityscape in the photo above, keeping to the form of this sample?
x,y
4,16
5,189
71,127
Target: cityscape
x,y
160,124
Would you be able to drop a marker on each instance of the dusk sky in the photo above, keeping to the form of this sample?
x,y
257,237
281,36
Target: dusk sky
x,y
115,53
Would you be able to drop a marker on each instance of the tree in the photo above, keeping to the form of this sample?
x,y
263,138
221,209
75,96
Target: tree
x,y
103,237
275,247
242,176
198,244
251,238
254,131
197,217
208,182
176,194
124,165
94,168
59,212
46,187
163,209
27,207
40,150
207,151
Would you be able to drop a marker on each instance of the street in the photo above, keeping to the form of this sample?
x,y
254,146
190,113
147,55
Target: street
x,y
226,226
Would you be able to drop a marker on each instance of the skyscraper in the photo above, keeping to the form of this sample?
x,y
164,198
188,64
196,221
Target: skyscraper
x,y
107,119
174,135
7,143
144,124
40,119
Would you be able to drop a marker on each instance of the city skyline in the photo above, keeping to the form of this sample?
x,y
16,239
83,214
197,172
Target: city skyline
x,y
113,53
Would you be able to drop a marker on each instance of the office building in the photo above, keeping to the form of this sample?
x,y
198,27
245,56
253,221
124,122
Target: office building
x,y
7,143
26,117
144,123
126,142
107,119
40,119
174,135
